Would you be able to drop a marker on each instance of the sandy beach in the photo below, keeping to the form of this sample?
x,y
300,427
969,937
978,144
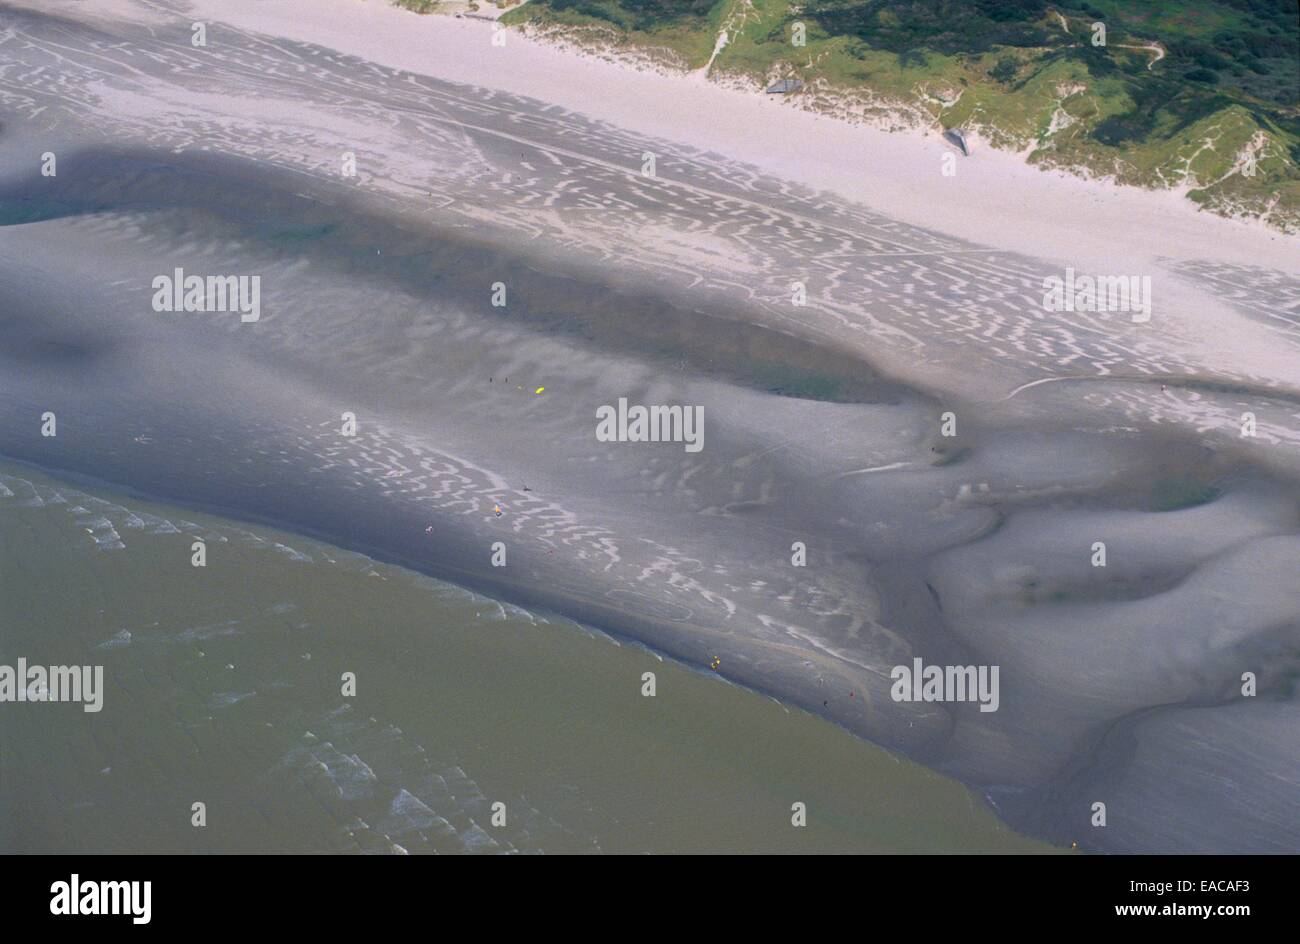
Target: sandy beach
x,y
995,199
880,378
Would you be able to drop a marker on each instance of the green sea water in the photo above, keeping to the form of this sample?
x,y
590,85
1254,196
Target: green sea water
x,y
224,686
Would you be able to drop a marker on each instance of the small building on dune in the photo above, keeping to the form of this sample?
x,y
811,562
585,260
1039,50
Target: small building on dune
x,y
785,87
956,137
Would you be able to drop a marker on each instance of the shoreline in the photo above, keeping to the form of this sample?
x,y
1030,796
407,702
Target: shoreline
x,y
250,661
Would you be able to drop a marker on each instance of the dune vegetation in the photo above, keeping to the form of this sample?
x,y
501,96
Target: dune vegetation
x,y
1202,97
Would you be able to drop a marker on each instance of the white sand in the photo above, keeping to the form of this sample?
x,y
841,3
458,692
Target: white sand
x,y
995,198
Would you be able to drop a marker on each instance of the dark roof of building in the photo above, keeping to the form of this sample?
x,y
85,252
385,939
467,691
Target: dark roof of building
x,y
956,137
785,85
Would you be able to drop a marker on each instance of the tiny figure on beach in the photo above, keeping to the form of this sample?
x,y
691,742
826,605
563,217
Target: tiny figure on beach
x,y
496,509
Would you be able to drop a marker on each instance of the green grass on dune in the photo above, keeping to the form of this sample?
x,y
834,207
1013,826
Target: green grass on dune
x,y
1180,93
679,32
418,6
